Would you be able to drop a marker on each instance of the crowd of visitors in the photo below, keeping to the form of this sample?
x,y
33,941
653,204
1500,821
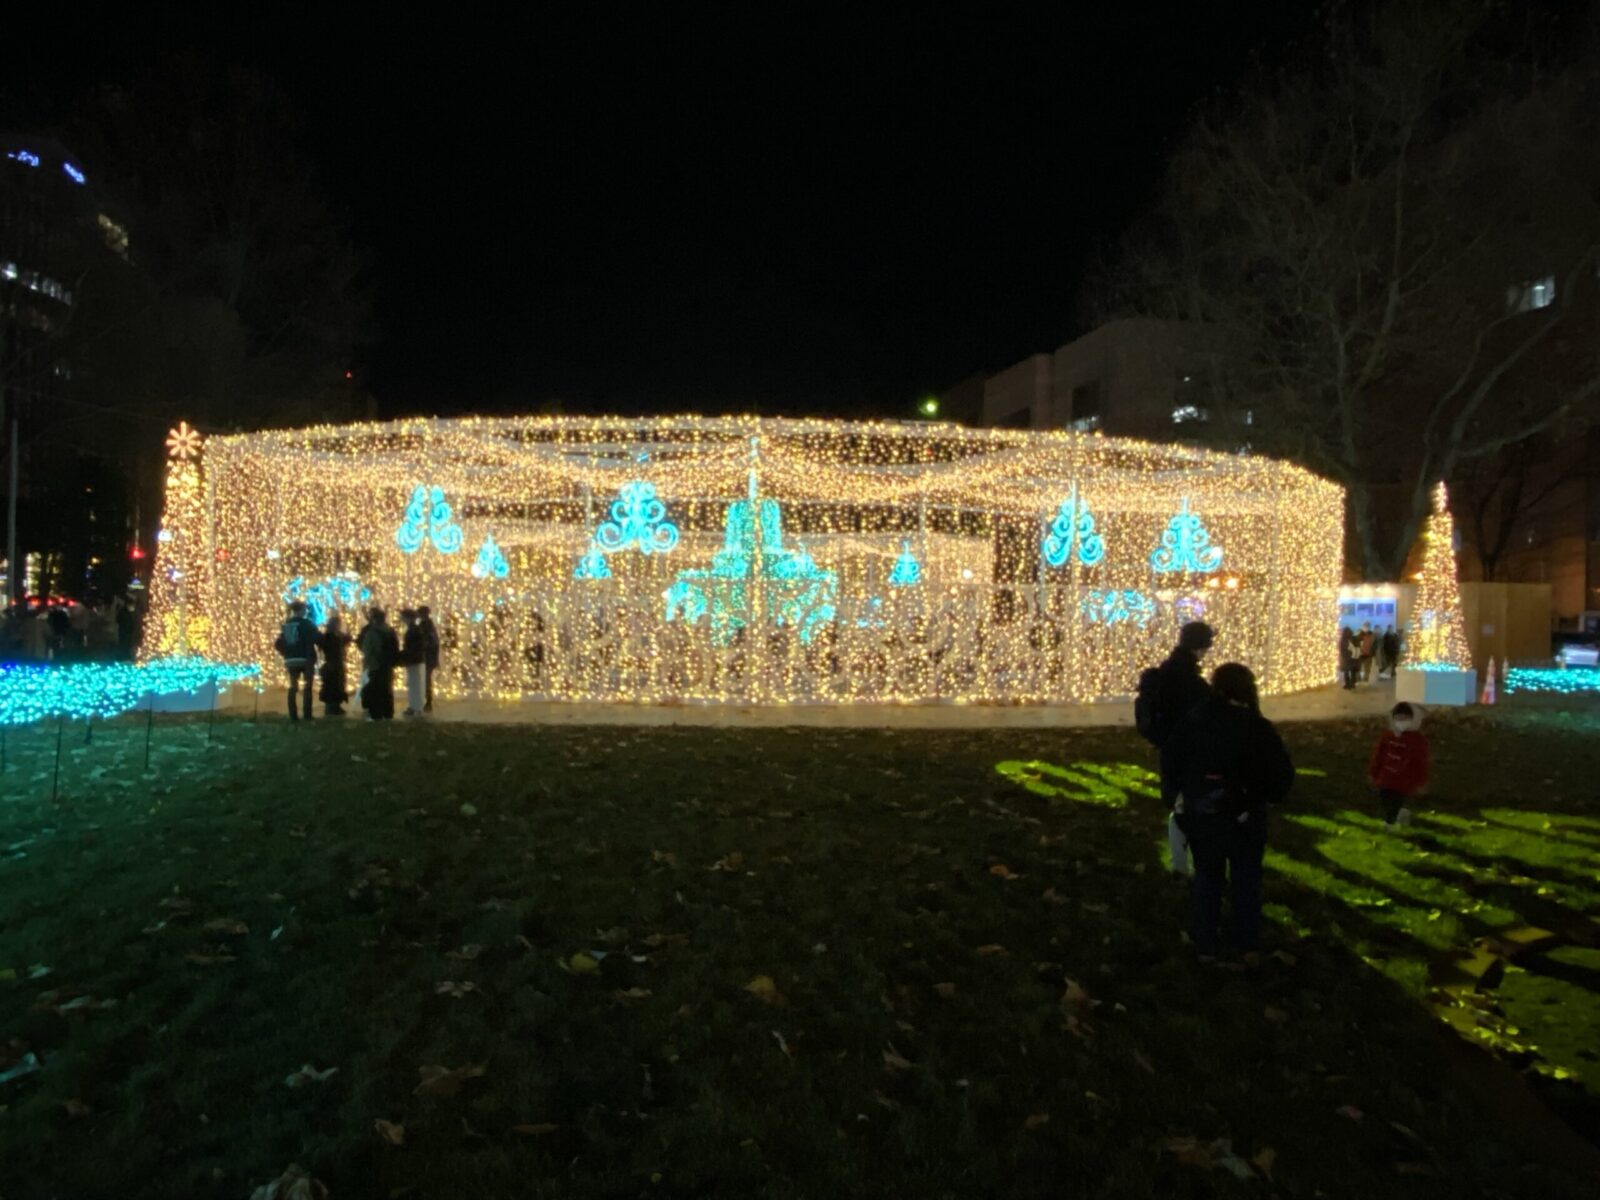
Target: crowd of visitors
x,y
382,650
39,630
1223,765
1362,649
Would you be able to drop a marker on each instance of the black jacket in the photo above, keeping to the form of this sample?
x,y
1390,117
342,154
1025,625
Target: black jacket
x,y
1225,758
414,646
1180,689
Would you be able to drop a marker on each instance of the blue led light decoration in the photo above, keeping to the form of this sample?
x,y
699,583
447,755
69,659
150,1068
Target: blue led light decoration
x,y
638,518
428,518
1073,531
1115,607
593,564
799,594
326,597
1186,545
907,570
490,562
84,690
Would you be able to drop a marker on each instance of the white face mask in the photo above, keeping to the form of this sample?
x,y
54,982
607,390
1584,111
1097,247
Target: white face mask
x,y
1402,724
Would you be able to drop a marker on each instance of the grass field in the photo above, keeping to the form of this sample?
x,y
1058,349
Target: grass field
x,y
587,962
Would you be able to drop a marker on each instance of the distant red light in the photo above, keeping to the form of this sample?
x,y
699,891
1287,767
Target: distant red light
x,y
136,552
349,374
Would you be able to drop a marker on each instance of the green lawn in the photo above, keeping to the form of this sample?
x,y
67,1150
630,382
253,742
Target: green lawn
x,y
773,963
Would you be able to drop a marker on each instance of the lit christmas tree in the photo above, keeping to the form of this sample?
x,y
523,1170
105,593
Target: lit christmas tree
x,y
177,622
1439,638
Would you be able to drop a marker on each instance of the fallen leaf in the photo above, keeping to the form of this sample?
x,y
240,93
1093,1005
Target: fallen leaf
x,y
1415,1168
1000,870
664,856
1051,896
635,993
1145,1065
1349,1110
1036,1120
1264,1160
76,1108
1075,995
469,810
446,987
728,862
466,954
1189,1152
1276,1015
582,964
945,991
309,1074
895,1061
1285,957
231,926
535,1130
991,950
390,1132
443,1081
783,1045
763,989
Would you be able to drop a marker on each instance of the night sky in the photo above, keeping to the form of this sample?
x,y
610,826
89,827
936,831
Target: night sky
x,y
781,216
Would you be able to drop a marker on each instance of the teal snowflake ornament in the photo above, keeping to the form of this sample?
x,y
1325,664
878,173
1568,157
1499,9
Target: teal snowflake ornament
x,y
490,562
1073,530
907,570
428,518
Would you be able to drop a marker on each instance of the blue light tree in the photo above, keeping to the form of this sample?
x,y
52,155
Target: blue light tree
x,y
490,561
907,570
593,564
1186,545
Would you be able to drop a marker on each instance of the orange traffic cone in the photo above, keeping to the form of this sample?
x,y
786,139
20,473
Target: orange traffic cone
x,y
1488,684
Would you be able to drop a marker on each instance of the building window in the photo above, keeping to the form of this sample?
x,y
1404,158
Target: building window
x,y
1535,293
1184,414
116,236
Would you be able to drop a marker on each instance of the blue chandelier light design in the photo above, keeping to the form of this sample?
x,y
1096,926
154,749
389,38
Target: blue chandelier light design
x,y
638,518
593,564
1073,530
428,518
1186,545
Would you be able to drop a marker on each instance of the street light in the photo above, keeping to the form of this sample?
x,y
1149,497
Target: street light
x,y
928,406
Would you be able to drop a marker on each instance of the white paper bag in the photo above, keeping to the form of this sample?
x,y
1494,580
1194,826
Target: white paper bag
x,y
1179,846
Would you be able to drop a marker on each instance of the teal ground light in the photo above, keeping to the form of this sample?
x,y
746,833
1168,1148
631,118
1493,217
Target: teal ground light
x,y
85,690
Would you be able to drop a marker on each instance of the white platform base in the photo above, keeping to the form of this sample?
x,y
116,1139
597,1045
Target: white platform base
x,y
1447,688
198,700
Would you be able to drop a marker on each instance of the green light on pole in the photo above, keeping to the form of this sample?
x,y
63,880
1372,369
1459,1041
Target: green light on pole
x,y
928,406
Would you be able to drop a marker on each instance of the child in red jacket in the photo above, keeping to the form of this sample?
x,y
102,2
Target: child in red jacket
x,y
1399,765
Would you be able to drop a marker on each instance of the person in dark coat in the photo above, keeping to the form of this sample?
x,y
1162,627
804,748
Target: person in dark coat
x,y
1180,685
414,656
380,652
1348,653
1389,649
1228,764
335,683
430,662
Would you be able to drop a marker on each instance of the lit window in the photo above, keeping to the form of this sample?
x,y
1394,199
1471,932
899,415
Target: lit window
x,y
73,173
1086,424
26,157
1185,413
1536,293
116,236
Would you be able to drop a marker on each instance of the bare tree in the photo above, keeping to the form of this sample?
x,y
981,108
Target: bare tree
x,y
1393,254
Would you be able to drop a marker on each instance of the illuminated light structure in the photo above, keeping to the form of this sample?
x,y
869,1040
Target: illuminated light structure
x,y
1439,667
180,594
85,690
764,561
1562,681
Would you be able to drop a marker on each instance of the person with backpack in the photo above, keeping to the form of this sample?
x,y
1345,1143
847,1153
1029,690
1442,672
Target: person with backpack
x,y
380,651
1228,764
1166,695
430,662
297,644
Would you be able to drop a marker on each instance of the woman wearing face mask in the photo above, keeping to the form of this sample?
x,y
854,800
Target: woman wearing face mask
x,y
1398,769
1228,763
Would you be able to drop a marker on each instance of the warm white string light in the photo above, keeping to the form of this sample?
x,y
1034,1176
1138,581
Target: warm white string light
x,y
756,560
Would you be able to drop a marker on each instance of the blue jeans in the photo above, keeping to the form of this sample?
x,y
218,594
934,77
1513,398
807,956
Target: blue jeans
x,y
1225,849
